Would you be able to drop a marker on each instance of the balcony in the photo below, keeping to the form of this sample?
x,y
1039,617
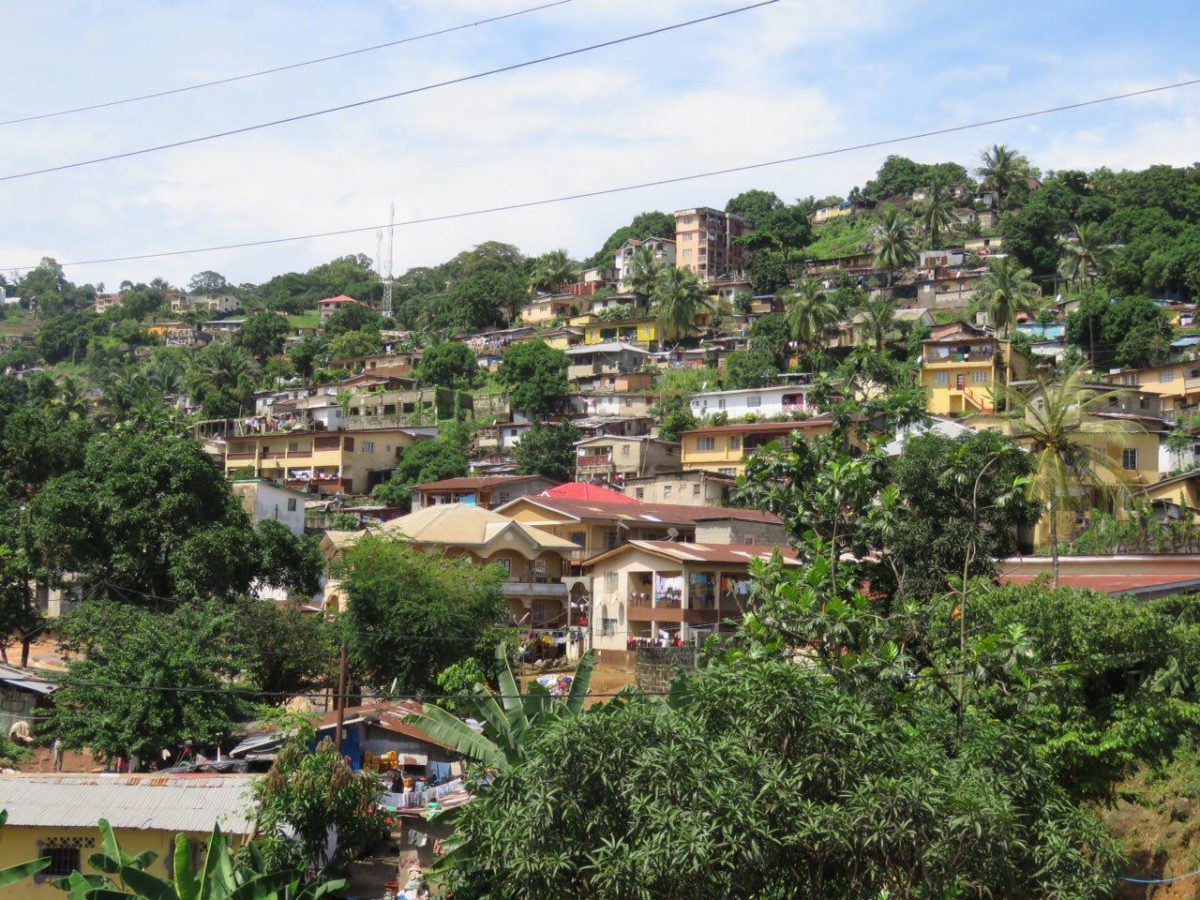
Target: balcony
x,y
600,461
554,590
236,457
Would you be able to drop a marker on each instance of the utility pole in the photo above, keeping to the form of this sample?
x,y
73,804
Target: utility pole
x,y
343,666
387,279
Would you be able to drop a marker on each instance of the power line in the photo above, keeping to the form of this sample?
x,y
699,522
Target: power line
x,y
601,192
406,93
284,68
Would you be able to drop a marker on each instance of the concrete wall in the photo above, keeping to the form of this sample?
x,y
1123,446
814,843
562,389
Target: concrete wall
x,y
657,667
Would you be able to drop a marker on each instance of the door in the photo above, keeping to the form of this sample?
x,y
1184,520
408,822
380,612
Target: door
x,y
960,382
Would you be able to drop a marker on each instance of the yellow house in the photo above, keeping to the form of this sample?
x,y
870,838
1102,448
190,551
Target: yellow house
x,y
55,817
320,461
1136,458
544,310
724,449
535,560
1178,496
1177,383
963,365
632,331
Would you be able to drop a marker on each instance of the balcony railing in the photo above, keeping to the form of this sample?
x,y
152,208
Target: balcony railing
x,y
240,455
593,462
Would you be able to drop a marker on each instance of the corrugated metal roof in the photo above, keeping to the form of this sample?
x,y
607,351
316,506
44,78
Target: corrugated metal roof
x,y
176,803
24,679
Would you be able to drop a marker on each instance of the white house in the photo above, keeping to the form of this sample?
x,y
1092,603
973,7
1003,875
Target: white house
x,y
664,255
777,400
263,499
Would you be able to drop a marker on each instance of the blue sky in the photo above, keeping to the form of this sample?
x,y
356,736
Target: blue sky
x,y
786,79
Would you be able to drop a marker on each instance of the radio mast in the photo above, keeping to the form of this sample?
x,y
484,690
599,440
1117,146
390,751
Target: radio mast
x,y
387,278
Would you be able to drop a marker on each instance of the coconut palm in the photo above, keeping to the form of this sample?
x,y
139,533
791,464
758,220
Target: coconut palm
x,y
1085,257
553,271
810,312
644,270
165,375
70,402
678,299
936,211
223,365
1002,168
878,320
1058,423
507,723
893,239
1005,291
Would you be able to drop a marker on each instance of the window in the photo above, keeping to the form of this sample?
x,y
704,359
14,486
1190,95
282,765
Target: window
x,y
505,564
979,377
696,490
639,493
727,471
368,447
1166,376
706,443
63,861
667,491
579,539
748,540
612,540
721,403
1129,459
624,449
348,444
941,378
291,504
687,252
735,443
293,446
1144,402
754,401
504,497
610,582
608,627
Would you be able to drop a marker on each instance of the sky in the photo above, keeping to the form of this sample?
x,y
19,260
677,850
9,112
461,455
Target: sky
x,y
790,78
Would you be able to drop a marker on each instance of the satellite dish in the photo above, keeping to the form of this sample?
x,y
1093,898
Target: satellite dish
x,y
672,533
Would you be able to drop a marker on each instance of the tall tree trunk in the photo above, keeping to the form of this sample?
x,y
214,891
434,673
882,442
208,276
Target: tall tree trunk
x,y
1054,541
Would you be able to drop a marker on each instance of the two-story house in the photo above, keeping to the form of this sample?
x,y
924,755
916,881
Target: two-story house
x,y
1177,383
962,366
694,488
590,365
329,305
319,461
546,309
534,559
645,590
613,457
724,449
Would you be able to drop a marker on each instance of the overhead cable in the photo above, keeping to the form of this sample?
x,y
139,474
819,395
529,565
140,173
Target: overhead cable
x,y
462,79
284,68
601,192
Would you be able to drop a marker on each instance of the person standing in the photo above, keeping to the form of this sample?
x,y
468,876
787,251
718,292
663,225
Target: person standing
x,y
56,754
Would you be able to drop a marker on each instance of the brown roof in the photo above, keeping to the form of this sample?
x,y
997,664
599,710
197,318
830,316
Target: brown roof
x,y
388,715
475,483
1113,584
722,554
645,513
767,427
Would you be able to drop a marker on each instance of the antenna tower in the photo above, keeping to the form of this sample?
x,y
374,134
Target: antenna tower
x,y
387,278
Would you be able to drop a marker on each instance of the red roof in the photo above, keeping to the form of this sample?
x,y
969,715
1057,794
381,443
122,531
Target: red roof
x,y
583,490
340,299
1111,584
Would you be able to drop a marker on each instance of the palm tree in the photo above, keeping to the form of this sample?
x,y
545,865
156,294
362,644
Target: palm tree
x,y
508,723
1085,257
645,267
879,320
553,271
1002,168
222,364
678,299
809,312
1058,423
1005,291
70,403
165,375
893,239
936,211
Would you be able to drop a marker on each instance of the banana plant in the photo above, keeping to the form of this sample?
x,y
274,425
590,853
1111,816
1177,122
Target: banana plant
x,y
505,723
19,872
223,877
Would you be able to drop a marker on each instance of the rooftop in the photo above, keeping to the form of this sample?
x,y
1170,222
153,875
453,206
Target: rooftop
x,y
477,483
463,525
175,803
608,347
586,492
721,554
765,427
642,513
